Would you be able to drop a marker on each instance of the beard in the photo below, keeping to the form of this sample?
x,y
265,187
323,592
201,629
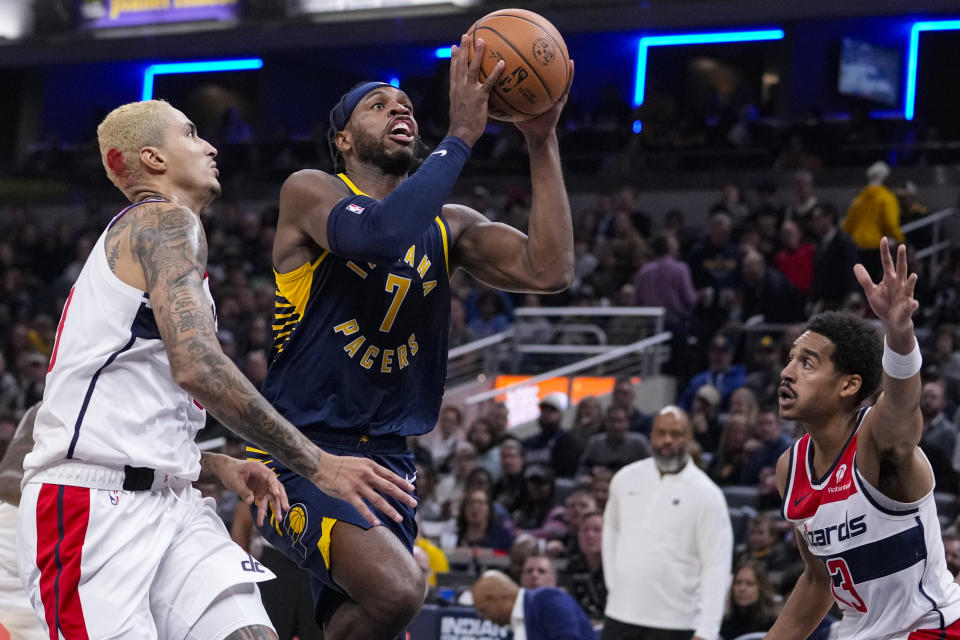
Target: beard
x,y
372,151
669,460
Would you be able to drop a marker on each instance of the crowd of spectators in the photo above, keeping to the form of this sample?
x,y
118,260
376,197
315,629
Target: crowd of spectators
x,y
538,501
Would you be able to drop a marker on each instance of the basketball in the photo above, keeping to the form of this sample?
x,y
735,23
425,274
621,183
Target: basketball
x,y
536,72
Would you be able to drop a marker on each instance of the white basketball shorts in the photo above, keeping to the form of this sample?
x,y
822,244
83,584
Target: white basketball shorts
x,y
107,563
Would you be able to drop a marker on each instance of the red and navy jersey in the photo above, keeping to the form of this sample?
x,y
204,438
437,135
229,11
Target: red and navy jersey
x,y
360,347
885,558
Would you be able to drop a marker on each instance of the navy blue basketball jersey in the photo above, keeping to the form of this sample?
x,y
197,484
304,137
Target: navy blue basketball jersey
x,y
362,347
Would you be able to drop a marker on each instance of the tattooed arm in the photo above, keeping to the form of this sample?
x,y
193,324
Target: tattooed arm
x,y
11,467
168,242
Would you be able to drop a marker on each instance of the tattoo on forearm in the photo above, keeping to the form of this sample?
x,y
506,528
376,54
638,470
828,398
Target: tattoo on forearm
x,y
254,632
171,247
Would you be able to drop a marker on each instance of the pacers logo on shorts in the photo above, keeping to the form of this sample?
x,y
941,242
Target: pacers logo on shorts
x,y
294,525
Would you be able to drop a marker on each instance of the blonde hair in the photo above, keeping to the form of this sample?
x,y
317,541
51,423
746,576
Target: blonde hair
x,y
124,132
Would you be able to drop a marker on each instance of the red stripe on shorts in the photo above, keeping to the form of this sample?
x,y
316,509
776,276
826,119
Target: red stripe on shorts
x,y
47,536
62,517
76,515
952,632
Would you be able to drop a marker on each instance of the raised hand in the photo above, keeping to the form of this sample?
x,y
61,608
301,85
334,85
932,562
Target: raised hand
x,y
546,123
892,299
469,97
254,483
357,479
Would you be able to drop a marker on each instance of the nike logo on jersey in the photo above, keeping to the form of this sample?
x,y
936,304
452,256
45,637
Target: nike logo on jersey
x,y
441,153
797,501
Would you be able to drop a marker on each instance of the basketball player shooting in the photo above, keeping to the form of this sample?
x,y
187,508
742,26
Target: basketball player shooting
x,y
857,488
362,262
113,541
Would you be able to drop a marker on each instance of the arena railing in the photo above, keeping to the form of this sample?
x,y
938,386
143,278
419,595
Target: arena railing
x,y
937,245
643,357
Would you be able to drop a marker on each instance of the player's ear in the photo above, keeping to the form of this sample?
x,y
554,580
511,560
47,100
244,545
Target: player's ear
x,y
153,159
343,140
850,385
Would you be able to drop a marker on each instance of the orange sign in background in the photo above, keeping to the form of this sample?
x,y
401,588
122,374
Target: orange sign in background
x,y
523,403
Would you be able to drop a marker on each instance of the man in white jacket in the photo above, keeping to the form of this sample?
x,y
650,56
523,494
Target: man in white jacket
x,y
667,543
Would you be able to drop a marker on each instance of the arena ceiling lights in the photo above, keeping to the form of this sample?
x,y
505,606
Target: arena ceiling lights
x,y
910,101
207,66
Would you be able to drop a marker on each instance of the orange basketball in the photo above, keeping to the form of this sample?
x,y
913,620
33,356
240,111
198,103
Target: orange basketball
x,y
536,58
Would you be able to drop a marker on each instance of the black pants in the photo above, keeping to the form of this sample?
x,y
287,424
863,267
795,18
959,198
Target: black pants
x,y
616,630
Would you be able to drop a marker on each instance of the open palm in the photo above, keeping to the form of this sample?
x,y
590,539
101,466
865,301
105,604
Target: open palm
x,y
892,299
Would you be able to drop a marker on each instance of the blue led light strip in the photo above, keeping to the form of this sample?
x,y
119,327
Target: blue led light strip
x,y
910,100
688,39
209,66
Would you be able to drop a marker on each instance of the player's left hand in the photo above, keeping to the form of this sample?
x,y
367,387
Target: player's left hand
x,y
255,483
546,123
892,300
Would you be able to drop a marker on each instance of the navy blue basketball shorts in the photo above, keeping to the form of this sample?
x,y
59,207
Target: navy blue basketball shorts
x,y
304,533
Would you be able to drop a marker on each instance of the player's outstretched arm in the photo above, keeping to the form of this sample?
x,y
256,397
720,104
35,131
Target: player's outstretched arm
x,y
361,227
250,479
169,243
895,423
811,597
501,256
11,467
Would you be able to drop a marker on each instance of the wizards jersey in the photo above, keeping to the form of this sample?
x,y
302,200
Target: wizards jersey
x,y
359,347
885,558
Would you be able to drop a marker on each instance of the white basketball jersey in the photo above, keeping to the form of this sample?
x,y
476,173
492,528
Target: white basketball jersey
x,y
885,558
110,398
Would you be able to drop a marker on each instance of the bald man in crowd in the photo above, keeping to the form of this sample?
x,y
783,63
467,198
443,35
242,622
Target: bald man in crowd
x,y
546,613
666,543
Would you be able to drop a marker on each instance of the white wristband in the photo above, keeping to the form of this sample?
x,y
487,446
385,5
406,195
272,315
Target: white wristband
x,y
897,365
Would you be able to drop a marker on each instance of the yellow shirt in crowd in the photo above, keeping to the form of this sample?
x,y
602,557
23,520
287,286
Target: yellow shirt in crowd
x,y
874,213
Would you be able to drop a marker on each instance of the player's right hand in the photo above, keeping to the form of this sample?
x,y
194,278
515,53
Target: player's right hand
x,y
469,97
356,479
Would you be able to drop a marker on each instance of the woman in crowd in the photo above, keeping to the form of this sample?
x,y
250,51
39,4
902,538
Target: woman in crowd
x,y
478,526
751,606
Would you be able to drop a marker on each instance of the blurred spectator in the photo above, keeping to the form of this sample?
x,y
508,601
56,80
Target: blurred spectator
x,y
9,389
951,547
575,507
795,258
481,479
804,200
764,378
584,263
553,445
498,418
874,213
715,267
442,441
255,366
688,551
538,498
624,397
723,375
944,355
431,560
480,435
703,417
939,439
731,202
478,526
666,282
428,507
729,464
616,447
538,571
524,545
766,445
460,333
744,401
583,575
763,545
833,261
450,488
766,292
912,211
600,486
751,606
492,317
509,488
536,614
587,421
33,379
